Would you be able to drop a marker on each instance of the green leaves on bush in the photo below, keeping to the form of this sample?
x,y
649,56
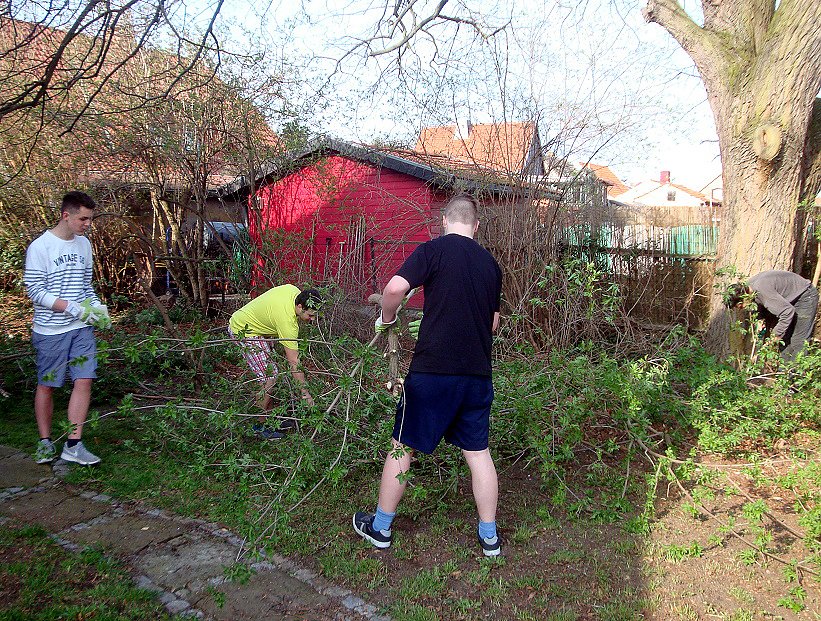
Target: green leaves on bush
x,y
732,417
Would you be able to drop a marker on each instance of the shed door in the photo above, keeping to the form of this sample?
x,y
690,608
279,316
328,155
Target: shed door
x,y
351,272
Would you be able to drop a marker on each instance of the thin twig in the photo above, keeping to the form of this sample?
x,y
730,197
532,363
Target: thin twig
x,y
726,527
732,531
767,513
627,474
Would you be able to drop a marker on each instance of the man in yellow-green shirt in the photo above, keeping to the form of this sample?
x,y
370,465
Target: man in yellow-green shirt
x,y
274,315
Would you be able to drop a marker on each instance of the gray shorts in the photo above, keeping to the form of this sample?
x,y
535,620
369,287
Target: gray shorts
x,y
75,350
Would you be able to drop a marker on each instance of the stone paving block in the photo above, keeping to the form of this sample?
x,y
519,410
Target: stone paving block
x,y
144,582
273,596
177,606
10,491
61,468
128,534
186,566
21,470
173,556
52,508
6,451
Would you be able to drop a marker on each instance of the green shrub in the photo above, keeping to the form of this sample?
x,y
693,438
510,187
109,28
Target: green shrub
x,y
732,416
12,259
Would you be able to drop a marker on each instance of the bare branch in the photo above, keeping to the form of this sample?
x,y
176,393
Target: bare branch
x,y
477,27
40,64
671,16
417,27
34,93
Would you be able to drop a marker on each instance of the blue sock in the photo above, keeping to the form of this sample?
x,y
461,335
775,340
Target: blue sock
x,y
487,530
382,520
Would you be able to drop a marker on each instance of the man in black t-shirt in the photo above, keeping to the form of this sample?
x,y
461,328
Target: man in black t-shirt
x,y
448,391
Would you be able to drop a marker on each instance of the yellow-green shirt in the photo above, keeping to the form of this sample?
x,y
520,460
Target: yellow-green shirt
x,y
271,314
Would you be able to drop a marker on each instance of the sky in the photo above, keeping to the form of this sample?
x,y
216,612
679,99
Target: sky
x,y
605,84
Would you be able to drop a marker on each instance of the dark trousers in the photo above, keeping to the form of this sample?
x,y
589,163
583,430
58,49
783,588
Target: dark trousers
x,y
800,330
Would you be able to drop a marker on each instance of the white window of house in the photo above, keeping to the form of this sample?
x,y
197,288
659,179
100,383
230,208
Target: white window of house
x,y
671,195
190,139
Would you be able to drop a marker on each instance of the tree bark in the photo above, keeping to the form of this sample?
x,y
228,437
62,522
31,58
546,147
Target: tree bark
x,y
812,163
761,67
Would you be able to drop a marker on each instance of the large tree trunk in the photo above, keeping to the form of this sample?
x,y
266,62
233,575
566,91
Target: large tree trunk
x,y
761,67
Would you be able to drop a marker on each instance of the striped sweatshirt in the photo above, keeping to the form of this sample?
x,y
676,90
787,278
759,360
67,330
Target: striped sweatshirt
x,y
58,268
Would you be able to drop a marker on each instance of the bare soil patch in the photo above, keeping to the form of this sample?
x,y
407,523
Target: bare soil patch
x,y
555,561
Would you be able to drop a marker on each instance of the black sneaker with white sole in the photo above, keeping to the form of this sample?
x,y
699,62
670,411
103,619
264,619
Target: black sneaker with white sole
x,y
265,433
490,546
363,525
286,425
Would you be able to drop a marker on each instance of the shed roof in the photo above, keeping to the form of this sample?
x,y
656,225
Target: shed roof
x,y
439,171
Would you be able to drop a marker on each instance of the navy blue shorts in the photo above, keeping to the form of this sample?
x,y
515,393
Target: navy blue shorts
x,y
74,351
454,407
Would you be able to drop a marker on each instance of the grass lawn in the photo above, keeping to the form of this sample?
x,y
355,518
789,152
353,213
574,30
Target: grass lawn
x,y
656,488
586,557
40,581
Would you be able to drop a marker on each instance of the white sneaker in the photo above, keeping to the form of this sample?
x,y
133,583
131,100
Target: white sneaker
x,y
45,452
79,454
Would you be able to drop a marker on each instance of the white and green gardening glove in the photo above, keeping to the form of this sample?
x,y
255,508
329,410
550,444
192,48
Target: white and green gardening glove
x,y
87,312
81,311
99,317
413,327
381,326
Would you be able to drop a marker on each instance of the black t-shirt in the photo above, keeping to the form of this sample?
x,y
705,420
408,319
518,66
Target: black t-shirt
x,y
462,284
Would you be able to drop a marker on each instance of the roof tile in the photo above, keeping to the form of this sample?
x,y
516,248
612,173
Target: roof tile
x,y
501,146
615,186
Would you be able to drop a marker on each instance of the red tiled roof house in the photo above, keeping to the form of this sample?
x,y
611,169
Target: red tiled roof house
x,y
508,148
615,186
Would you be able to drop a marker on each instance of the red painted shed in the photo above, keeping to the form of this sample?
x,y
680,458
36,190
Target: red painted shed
x,y
346,214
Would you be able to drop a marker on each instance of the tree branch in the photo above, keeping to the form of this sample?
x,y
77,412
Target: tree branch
x,y
412,32
479,30
703,46
671,16
84,52
40,87
748,20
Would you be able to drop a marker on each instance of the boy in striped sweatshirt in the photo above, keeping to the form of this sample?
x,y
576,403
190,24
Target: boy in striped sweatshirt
x,y
66,310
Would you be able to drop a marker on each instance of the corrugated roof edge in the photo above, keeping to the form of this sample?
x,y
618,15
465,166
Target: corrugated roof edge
x,y
274,170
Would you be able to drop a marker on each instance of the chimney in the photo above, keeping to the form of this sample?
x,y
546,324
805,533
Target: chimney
x,y
665,177
463,127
